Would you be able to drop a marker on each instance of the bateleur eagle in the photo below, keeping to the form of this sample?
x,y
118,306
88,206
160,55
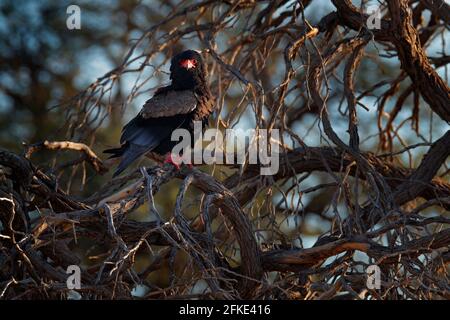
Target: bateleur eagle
x,y
185,100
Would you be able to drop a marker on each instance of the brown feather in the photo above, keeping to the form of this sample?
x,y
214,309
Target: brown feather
x,y
169,103
206,105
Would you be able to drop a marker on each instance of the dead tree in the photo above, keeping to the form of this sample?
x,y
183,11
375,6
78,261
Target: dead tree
x,y
378,208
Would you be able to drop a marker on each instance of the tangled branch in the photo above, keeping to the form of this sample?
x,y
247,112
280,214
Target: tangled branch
x,y
229,232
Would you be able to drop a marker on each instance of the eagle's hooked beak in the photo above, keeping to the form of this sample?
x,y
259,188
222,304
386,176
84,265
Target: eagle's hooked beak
x,y
188,63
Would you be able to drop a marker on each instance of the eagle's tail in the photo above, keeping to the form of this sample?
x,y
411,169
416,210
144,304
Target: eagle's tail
x,y
115,152
129,153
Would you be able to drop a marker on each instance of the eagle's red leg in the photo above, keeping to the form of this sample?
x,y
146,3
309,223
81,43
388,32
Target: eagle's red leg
x,y
170,159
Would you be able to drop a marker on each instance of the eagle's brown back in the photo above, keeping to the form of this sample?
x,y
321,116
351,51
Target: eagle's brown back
x,y
169,103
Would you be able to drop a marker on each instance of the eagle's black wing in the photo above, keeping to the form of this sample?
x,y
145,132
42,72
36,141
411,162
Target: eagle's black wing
x,y
159,117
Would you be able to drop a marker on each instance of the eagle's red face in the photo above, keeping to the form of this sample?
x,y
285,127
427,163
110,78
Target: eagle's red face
x,y
187,69
188,63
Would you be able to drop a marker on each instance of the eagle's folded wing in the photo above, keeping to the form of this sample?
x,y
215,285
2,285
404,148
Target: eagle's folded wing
x,y
169,104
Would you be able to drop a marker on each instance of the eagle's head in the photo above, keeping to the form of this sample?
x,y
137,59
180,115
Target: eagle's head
x,y
187,70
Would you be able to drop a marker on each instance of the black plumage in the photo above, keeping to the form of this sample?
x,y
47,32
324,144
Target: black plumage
x,y
185,100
